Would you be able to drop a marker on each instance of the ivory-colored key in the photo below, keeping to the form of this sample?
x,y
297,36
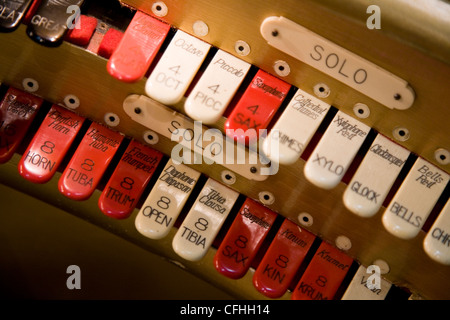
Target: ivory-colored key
x,y
335,151
414,200
216,87
177,67
203,222
164,203
295,128
375,176
437,240
367,284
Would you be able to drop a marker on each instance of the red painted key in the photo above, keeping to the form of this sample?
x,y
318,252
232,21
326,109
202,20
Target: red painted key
x,y
89,162
137,48
17,111
323,275
129,180
256,107
282,260
49,145
243,239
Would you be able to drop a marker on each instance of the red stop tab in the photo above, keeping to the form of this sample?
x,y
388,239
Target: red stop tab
x,y
129,180
85,169
256,107
324,274
137,48
49,145
17,111
282,260
243,239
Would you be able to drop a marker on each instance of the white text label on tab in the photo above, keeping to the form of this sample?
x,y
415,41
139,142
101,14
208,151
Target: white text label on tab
x,y
164,203
375,176
216,87
204,220
335,151
339,63
414,200
177,67
295,127
437,241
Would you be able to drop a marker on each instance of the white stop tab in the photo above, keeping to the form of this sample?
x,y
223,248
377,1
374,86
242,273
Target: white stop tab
x,y
414,200
367,284
375,176
295,128
437,240
216,87
176,69
164,203
335,151
204,220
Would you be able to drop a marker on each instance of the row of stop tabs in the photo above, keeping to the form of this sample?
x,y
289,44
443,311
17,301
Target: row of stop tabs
x,y
208,98
163,205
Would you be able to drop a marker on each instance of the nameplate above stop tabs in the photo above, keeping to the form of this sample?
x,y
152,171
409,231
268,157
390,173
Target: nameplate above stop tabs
x,y
11,14
257,106
138,47
414,200
90,160
337,62
176,69
166,200
243,239
204,220
216,87
52,19
375,176
437,241
128,181
324,274
280,263
294,129
17,111
49,145
335,151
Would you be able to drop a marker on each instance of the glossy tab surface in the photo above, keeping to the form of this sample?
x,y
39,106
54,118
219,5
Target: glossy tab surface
x,y
128,181
282,260
437,240
11,14
256,107
367,284
335,151
17,111
243,239
295,128
177,67
52,19
204,220
166,200
137,48
89,162
375,176
324,274
414,200
216,87
49,145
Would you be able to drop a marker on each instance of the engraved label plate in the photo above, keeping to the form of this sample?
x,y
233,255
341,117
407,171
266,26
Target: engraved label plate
x,y
339,63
